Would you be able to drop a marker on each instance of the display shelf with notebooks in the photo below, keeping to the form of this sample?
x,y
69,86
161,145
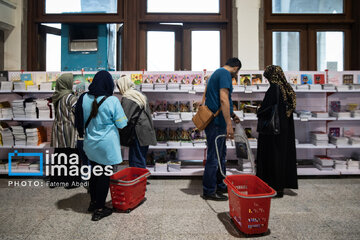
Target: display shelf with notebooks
x,y
185,87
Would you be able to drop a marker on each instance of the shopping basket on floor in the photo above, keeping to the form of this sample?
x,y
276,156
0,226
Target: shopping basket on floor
x,y
127,188
249,196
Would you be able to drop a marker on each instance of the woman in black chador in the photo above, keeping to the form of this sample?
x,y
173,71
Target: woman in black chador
x,y
276,154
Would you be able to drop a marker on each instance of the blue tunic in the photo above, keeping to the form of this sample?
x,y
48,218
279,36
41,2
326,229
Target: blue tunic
x,y
102,140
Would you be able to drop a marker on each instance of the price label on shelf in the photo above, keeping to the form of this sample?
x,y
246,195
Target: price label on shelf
x,y
192,91
178,121
304,119
248,91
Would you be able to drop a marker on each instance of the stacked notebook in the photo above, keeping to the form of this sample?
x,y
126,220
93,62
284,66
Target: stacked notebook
x,y
319,138
7,138
323,162
18,108
19,135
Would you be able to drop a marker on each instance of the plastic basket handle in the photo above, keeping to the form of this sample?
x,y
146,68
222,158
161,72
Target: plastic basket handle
x,y
248,197
129,183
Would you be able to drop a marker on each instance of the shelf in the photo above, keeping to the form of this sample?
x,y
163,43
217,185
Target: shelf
x,y
349,91
350,172
193,171
6,171
5,119
41,146
39,91
178,147
349,119
5,147
312,171
312,146
348,146
2,91
33,119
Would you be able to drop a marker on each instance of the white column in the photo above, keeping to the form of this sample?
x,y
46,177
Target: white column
x,y
248,33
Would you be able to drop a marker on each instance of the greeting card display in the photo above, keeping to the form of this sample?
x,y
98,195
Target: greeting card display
x,y
256,79
319,79
306,79
245,79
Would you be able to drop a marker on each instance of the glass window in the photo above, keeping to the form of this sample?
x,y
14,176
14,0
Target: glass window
x,y
308,6
160,51
81,6
286,50
330,51
183,6
53,52
205,54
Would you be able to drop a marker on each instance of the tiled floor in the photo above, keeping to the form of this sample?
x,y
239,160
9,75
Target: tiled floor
x,y
322,209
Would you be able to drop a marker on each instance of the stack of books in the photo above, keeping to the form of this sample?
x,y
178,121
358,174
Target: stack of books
x,y
320,114
43,108
34,166
6,86
5,110
341,114
45,86
6,113
353,164
18,108
323,162
328,87
339,140
30,110
6,137
32,138
319,138
304,114
19,135
354,140
340,164
355,113
19,86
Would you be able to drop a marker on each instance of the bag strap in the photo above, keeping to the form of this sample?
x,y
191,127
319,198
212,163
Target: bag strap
x,y
137,118
203,101
89,119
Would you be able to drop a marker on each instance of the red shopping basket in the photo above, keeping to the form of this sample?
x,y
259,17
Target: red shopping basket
x,y
249,200
128,188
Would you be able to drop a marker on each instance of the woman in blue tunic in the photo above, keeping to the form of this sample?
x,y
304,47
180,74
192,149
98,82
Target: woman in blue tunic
x,y
98,117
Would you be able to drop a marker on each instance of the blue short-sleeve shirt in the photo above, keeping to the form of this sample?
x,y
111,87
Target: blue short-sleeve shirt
x,y
102,141
221,78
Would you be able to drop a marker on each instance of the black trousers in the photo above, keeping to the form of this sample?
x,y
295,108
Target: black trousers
x,y
59,178
99,187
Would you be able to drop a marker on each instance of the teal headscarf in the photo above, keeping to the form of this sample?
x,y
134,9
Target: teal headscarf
x,y
64,86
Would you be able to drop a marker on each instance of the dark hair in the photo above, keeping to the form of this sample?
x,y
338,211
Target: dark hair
x,y
94,108
233,62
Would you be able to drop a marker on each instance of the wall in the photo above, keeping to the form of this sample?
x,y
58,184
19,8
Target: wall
x,y
248,33
11,22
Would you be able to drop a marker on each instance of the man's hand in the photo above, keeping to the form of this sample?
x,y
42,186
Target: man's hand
x,y
236,118
229,132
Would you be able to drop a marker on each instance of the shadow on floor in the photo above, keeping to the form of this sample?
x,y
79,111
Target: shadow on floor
x,y
225,219
194,187
77,203
290,193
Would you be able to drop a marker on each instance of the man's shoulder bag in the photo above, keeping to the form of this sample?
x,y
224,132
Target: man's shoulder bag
x,y
204,115
128,133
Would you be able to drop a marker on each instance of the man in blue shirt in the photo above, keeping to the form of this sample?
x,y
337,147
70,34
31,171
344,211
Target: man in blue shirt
x,y
218,96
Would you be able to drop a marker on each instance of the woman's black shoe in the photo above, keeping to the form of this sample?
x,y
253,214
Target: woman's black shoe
x,y
215,197
279,194
101,213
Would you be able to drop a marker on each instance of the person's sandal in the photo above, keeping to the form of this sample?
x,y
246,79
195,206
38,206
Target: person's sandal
x,y
101,213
